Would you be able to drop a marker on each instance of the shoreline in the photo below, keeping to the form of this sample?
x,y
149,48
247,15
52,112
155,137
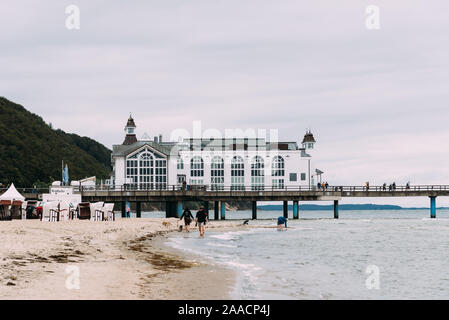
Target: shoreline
x,y
125,259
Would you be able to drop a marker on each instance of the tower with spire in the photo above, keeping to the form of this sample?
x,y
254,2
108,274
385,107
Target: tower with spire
x,y
308,142
130,130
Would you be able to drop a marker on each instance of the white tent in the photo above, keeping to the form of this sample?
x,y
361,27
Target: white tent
x,y
12,195
11,204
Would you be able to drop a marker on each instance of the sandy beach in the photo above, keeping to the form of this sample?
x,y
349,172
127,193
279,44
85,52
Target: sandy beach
x,y
125,259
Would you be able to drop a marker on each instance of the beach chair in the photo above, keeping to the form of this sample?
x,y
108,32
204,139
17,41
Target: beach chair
x,y
73,212
50,211
64,211
84,211
96,211
108,211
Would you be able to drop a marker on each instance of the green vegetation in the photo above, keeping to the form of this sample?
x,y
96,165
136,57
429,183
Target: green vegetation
x,y
31,151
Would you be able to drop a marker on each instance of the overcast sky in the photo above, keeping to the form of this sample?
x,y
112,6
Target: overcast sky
x,y
376,100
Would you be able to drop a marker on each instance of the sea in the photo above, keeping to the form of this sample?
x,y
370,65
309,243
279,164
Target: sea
x,y
379,254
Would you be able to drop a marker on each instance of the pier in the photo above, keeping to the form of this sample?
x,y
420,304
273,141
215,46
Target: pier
x,y
174,196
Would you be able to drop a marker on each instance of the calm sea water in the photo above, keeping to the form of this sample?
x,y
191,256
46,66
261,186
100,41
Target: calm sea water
x,y
405,252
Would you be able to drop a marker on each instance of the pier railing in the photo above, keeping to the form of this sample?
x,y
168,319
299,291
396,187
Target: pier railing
x,y
239,188
218,188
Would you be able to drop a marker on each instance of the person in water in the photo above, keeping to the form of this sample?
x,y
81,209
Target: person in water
x,y
282,221
188,218
201,219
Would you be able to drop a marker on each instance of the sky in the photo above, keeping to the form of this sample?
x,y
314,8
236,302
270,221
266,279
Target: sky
x,y
375,99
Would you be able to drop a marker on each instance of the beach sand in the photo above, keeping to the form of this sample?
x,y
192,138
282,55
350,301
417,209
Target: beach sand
x,y
124,259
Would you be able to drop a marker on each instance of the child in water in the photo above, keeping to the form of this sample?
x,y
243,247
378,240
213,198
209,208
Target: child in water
x,y
282,221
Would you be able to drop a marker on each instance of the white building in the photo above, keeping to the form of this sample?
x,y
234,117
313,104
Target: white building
x,y
218,164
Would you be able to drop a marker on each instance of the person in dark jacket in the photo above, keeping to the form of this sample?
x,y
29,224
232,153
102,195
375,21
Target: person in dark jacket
x,y
188,218
201,219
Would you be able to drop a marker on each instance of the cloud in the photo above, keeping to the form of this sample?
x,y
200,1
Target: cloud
x,y
376,100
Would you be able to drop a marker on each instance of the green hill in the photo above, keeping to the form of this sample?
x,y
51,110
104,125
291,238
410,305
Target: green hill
x,y
31,151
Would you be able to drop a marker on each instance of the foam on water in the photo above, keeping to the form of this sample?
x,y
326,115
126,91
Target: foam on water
x,y
328,259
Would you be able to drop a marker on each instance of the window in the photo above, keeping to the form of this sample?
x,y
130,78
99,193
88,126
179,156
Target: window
x,y
293,177
278,183
161,174
146,170
180,164
303,177
257,174
217,173
277,167
237,173
197,167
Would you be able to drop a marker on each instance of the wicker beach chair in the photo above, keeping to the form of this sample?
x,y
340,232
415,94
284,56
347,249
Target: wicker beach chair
x,y
96,211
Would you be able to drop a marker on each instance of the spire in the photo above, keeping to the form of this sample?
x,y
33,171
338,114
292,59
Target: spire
x,y
308,137
130,131
130,123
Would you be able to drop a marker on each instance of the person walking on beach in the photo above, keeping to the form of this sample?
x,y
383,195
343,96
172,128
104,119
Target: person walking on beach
x,y
128,211
188,218
282,221
201,219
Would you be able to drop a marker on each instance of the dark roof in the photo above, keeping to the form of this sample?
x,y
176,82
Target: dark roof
x,y
308,137
123,149
130,139
131,122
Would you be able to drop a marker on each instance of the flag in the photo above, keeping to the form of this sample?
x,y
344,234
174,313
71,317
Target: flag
x,y
65,176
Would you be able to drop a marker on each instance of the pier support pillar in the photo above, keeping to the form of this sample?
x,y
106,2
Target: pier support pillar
x,y
179,209
295,210
216,210
223,210
170,209
335,209
433,207
139,209
285,209
123,205
254,207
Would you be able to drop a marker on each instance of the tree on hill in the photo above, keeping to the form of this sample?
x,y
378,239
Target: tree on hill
x,y
31,151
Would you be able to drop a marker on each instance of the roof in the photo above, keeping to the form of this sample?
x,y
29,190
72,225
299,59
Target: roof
x,y
12,194
236,144
130,122
124,150
130,139
308,137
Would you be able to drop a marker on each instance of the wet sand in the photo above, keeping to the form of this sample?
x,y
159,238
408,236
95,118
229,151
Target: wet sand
x,y
125,259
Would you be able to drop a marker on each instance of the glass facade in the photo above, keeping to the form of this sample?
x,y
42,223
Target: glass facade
x,y
217,173
237,173
146,170
257,173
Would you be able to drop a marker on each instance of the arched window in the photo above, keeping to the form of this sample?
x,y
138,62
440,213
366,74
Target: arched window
x,y
237,173
196,170
278,167
145,170
278,172
257,173
217,173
